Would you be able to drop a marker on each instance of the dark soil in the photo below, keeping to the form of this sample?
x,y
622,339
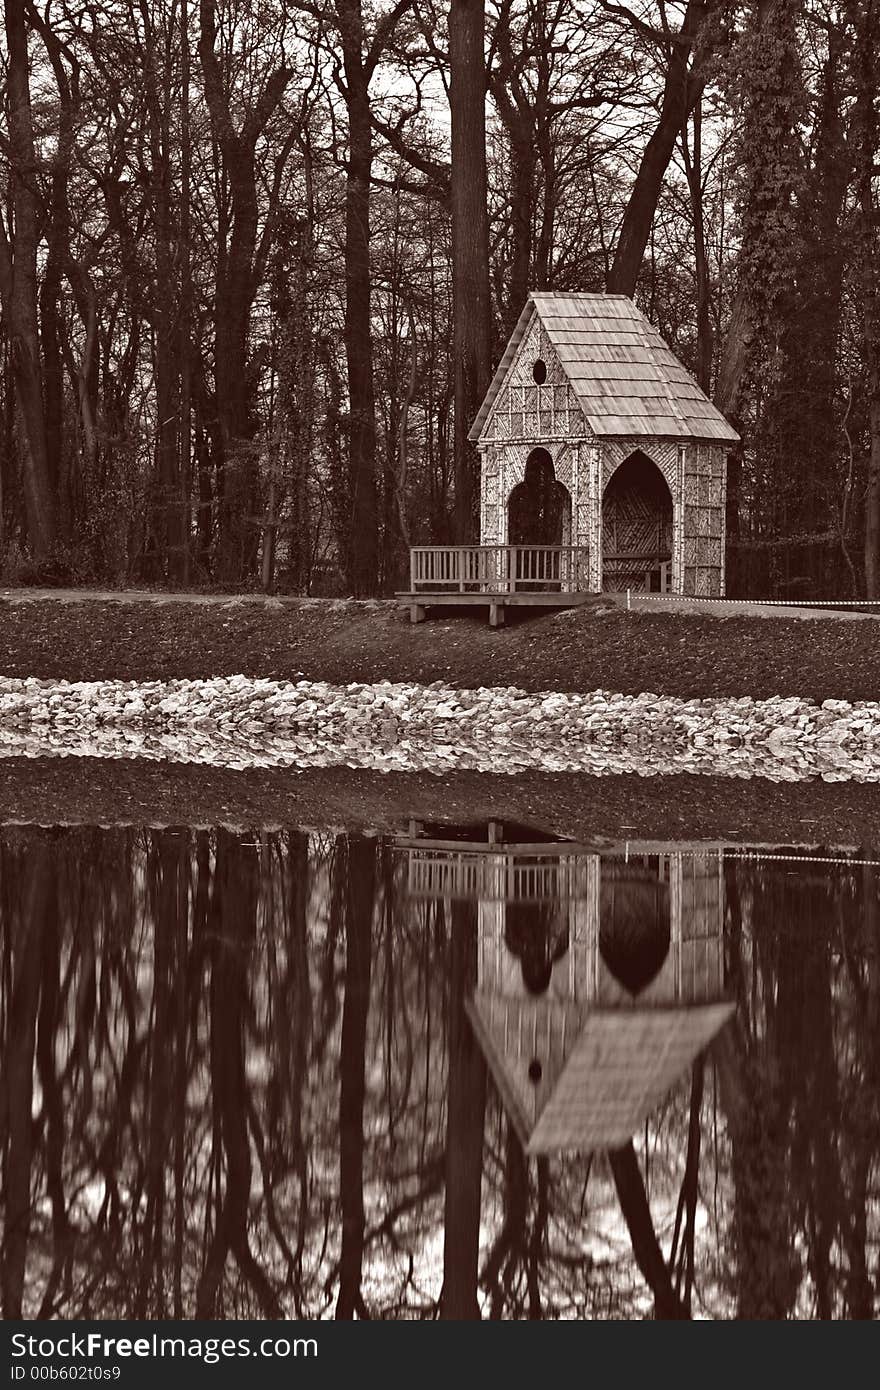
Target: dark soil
x,y
590,810
598,646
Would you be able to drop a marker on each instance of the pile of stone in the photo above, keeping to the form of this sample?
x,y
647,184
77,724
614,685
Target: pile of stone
x,y
240,722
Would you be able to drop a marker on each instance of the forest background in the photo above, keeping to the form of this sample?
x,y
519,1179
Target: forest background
x,y
258,259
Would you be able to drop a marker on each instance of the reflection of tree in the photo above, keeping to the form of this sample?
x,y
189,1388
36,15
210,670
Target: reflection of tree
x,y
860,944
50,1084
511,1273
168,891
637,1215
800,1089
466,1102
233,921
29,907
186,1017
681,1259
358,956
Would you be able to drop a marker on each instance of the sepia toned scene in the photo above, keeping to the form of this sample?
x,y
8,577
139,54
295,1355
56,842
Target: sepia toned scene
x,y
315,1074
439,663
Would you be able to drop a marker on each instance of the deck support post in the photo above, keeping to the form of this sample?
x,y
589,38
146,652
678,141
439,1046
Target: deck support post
x,y
416,613
496,614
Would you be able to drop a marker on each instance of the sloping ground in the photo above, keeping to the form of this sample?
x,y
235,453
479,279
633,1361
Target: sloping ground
x,y
81,791
598,646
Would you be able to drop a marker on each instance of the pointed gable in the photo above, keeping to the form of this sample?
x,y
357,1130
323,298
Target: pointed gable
x,y
514,1033
521,407
624,1064
624,378
600,1072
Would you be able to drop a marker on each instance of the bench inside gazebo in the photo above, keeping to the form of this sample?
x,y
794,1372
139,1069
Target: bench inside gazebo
x,y
602,470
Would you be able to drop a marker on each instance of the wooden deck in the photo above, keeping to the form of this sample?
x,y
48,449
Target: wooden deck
x,y
419,603
507,576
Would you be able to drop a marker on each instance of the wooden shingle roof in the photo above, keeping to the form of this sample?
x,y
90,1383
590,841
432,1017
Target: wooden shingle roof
x,y
603,1071
627,380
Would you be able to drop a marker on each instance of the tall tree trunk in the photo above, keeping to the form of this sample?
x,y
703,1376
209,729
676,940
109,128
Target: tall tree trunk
x,y
471,346
680,90
694,169
363,547
770,157
522,198
872,493
18,289
165,549
866,153
237,472
297,360
184,223
235,459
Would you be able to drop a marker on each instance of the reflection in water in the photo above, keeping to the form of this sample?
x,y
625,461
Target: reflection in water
x,y
301,1074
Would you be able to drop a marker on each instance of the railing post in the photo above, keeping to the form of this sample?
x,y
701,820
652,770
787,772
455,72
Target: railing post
x,y
412,571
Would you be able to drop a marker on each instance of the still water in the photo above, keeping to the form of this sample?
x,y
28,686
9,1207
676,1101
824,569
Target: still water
x,y
454,1072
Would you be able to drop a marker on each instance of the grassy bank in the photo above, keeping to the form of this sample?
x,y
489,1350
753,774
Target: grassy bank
x,y
595,647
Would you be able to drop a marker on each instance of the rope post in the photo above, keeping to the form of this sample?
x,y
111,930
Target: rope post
x,y
627,601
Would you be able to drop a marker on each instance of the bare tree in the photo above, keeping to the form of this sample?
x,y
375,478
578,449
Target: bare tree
x,y
18,287
470,243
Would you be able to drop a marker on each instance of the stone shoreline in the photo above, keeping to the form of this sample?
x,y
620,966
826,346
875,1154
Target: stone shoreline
x,y
239,722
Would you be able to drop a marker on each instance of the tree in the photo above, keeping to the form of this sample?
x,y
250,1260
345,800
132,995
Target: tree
x,y
865,139
240,259
471,346
685,54
18,289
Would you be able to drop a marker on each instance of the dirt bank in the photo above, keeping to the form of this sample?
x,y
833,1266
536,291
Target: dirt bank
x,y
596,647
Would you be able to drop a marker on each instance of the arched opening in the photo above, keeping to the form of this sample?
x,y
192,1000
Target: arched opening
x,y
634,921
637,527
538,515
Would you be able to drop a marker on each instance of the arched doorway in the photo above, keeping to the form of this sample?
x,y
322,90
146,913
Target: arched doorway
x,y
636,527
538,515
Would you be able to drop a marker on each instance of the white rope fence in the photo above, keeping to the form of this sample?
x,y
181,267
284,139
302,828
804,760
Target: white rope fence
x,y
850,861
753,602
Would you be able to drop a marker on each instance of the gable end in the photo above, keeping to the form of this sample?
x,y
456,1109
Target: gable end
x,y
525,410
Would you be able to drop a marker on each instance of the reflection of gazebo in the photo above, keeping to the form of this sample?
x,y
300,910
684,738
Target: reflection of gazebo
x,y
600,978
576,1078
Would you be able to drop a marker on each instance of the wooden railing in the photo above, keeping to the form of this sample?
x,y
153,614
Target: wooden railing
x,y
499,569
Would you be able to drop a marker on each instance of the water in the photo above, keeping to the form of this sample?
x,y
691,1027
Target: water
x,y
316,1074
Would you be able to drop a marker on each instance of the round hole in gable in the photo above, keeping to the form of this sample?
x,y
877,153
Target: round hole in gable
x,y
539,371
536,1071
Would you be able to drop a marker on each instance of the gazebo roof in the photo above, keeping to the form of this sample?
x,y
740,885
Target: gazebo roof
x,y
603,1071
626,379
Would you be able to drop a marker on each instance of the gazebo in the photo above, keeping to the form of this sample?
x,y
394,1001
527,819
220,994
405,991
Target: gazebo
x,y
603,467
